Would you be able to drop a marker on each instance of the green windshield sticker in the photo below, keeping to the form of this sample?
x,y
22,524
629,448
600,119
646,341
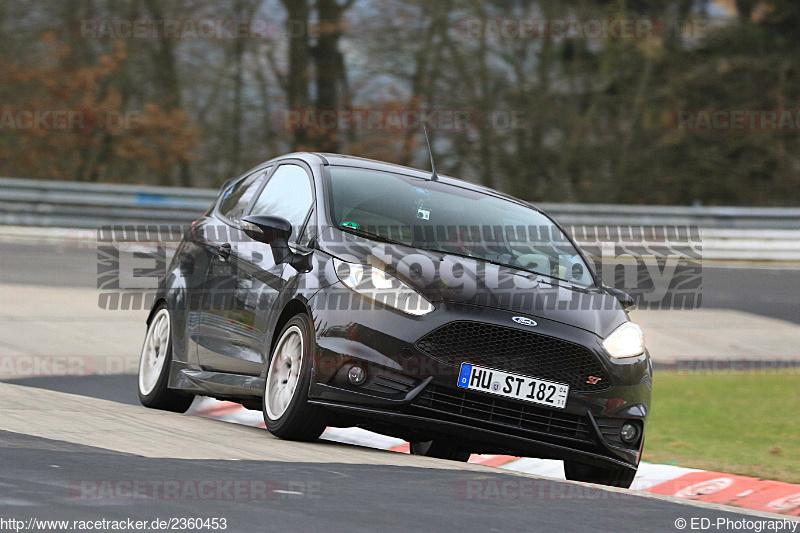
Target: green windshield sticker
x,y
348,224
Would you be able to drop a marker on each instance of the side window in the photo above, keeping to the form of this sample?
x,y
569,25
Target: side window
x,y
236,198
287,194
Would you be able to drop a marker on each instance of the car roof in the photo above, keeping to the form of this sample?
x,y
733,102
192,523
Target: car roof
x,y
327,158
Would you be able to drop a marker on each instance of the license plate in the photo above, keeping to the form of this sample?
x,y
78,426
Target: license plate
x,y
514,386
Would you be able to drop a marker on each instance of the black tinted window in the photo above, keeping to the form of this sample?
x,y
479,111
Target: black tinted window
x,y
287,194
236,198
437,216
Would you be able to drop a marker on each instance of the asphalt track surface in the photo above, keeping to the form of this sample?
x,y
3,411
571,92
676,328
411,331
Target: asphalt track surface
x,y
42,478
120,388
334,497
767,291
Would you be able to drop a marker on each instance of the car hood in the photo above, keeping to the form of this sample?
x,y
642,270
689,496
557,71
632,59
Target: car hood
x,y
442,277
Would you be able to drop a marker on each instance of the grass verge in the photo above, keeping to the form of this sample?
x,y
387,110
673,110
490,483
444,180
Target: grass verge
x,y
736,423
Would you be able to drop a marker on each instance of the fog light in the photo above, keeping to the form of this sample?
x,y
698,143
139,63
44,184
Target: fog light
x,y
629,432
357,375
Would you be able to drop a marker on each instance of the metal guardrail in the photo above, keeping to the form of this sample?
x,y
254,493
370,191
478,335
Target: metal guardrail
x,y
727,232
91,205
659,215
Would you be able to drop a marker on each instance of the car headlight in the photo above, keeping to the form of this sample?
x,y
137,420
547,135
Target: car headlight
x,y
625,341
377,285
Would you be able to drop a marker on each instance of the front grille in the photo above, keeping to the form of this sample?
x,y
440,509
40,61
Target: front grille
x,y
391,383
514,350
511,413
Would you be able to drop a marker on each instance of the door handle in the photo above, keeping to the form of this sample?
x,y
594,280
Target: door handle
x,y
224,251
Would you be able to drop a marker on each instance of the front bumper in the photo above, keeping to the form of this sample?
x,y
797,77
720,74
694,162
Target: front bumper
x,y
411,395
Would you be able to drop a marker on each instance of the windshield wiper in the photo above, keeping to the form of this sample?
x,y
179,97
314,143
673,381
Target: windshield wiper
x,y
369,235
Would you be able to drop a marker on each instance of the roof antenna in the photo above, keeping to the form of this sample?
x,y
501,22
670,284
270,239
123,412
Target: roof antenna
x,y
434,177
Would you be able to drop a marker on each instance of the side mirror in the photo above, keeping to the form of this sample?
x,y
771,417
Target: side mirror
x,y
624,298
275,231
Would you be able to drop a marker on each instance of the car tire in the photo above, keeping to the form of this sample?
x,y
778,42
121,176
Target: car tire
x,y
287,413
615,477
154,366
440,449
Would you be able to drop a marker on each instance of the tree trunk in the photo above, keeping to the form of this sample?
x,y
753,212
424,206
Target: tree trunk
x,y
329,69
166,77
238,82
426,60
297,80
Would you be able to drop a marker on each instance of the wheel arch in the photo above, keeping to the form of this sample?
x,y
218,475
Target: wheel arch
x,y
293,307
153,309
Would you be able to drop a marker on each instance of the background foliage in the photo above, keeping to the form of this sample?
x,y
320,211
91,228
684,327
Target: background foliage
x,y
593,120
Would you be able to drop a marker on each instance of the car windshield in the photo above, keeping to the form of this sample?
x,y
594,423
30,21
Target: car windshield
x,y
441,217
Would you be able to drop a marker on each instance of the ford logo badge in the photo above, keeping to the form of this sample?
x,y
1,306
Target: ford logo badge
x,y
524,321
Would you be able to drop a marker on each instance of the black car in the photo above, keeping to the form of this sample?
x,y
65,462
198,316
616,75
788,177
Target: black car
x,y
330,290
